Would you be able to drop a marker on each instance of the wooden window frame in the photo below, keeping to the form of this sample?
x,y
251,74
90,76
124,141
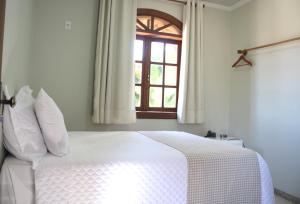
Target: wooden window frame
x,y
156,33
144,111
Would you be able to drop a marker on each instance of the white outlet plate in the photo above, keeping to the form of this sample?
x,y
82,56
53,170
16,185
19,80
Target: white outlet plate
x,y
68,25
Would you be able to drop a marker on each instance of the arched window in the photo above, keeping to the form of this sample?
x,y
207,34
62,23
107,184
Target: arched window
x,y
157,64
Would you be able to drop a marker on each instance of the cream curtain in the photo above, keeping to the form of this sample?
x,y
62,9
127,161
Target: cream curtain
x,y
191,90
113,101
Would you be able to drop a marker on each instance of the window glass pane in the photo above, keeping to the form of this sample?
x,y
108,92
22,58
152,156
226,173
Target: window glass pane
x,y
137,96
170,98
171,75
158,23
138,73
146,20
138,26
157,52
155,98
171,30
156,74
138,50
171,53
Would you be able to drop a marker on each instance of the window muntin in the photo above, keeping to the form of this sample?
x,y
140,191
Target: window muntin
x,y
157,66
157,76
157,26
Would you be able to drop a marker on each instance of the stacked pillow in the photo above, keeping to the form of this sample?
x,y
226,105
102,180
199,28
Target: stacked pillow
x,y
22,134
52,124
33,126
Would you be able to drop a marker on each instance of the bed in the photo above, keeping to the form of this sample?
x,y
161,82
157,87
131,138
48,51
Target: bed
x,y
140,167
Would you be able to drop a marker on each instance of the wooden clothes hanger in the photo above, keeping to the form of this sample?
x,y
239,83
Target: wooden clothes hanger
x,y
242,58
244,52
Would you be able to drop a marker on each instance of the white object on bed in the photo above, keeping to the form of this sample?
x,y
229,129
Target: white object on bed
x,y
109,142
219,172
113,167
17,182
52,124
22,134
267,189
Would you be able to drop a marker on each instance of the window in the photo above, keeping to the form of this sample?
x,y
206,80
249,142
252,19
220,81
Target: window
x,y
157,64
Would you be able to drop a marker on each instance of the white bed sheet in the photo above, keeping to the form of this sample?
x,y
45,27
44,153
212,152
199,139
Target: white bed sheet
x,y
17,181
208,150
160,172
113,168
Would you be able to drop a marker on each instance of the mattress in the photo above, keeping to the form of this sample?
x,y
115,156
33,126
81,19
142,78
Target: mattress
x,y
17,177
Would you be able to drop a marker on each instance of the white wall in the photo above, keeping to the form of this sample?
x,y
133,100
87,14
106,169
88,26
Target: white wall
x,y
265,100
217,69
63,63
63,59
17,43
16,47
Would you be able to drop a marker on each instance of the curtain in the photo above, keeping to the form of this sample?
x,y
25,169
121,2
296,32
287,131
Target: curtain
x,y
191,88
113,100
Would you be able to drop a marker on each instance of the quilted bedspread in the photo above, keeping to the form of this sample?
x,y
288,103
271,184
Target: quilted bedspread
x,y
152,167
217,172
112,167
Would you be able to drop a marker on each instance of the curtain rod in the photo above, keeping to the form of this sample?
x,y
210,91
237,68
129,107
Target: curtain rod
x,y
267,45
181,2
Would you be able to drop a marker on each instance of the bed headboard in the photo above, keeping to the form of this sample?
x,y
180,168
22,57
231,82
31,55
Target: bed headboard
x,y
2,150
3,102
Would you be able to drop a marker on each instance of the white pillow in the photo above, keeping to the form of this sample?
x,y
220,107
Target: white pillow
x,y
22,134
52,123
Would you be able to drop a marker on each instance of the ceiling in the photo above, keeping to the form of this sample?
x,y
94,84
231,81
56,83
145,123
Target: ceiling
x,y
228,3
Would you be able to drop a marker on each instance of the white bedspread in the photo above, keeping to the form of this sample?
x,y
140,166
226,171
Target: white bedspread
x,y
218,172
108,167
113,167
16,180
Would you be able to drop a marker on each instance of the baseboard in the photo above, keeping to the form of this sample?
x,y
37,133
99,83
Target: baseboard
x,y
287,196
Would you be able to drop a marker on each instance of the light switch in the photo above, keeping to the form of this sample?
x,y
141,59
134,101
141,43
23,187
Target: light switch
x,y
68,25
